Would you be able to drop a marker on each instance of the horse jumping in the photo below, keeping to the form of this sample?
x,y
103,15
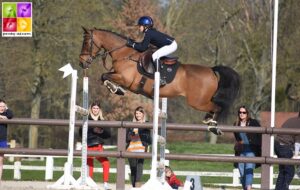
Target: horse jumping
x,y
207,89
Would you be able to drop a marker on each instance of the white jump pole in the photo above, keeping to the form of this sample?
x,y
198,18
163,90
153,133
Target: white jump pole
x,y
67,180
153,182
163,134
273,93
85,181
163,141
155,126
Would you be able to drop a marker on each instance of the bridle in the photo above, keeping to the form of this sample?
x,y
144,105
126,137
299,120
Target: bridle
x,y
103,54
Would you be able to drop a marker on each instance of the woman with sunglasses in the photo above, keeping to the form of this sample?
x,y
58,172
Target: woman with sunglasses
x,y
247,145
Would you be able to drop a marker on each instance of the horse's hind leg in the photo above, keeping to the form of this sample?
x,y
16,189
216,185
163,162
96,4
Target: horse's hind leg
x,y
212,111
210,118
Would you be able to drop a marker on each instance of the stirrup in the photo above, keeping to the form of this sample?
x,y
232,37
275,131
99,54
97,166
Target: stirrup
x,y
162,82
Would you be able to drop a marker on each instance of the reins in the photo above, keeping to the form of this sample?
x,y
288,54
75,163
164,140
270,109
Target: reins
x,y
103,54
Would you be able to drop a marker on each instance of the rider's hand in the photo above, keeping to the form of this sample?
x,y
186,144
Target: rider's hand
x,y
130,43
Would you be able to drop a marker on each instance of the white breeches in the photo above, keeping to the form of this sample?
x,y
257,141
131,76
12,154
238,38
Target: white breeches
x,y
165,50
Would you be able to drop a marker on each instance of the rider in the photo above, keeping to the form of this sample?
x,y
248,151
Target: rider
x,y
165,43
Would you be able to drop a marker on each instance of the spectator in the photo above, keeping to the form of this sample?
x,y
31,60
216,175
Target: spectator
x,y
284,149
95,141
247,145
171,178
5,113
137,140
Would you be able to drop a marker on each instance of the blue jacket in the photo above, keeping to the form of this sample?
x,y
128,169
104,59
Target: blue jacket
x,y
155,38
3,127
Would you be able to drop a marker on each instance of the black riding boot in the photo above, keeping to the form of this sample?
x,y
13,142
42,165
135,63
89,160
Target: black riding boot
x,y
162,81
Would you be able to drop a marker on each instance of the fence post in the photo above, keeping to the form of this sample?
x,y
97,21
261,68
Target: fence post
x,y
12,144
167,162
49,168
236,177
266,169
17,170
127,172
121,161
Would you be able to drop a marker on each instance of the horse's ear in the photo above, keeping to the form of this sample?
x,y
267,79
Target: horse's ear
x,y
84,29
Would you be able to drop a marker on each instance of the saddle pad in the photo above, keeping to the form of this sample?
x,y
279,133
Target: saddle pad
x,y
167,71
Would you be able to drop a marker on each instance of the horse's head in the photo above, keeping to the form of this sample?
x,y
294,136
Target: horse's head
x,y
89,50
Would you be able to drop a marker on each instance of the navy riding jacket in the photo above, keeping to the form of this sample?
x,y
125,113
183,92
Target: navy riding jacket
x,y
3,127
154,37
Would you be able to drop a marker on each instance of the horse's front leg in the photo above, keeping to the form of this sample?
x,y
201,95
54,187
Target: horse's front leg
x,y
113,81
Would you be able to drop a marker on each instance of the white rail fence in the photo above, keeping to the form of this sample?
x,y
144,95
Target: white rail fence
x,y
49,169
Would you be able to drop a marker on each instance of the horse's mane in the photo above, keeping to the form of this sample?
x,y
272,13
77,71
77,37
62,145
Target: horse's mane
x,y
104,30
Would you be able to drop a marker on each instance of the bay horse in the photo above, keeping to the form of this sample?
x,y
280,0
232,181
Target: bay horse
x,y
207,89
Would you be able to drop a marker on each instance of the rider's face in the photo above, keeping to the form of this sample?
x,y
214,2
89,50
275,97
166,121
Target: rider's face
x,y
141,28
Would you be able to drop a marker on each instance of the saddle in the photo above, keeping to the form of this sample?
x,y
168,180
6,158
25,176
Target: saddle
x,y
168,66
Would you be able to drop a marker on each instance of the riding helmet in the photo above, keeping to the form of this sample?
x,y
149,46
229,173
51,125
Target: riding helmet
x,y
145,21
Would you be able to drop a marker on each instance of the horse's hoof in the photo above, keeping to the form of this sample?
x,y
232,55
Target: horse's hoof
x,y
215,130
120,91
210,121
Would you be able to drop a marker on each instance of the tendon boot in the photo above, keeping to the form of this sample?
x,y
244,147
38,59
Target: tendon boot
x,y
209,120
214,129
115,89
120,91
112,87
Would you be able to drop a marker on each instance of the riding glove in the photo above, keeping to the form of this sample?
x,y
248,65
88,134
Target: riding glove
x,y
130,43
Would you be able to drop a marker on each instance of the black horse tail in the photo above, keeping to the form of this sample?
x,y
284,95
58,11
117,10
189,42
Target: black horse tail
x,y
228,89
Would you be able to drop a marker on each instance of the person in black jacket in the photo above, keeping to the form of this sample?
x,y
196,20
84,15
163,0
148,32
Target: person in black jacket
x,y
95,141
283,146
5,113
137,140
165,44
248,145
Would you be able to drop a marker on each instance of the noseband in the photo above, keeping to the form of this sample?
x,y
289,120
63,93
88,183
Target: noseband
x,y
90,52
103,55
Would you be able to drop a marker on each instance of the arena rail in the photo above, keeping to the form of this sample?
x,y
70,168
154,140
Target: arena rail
x,y
49,169
121,153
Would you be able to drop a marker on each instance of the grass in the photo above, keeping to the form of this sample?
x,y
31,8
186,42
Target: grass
x,y
178,148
